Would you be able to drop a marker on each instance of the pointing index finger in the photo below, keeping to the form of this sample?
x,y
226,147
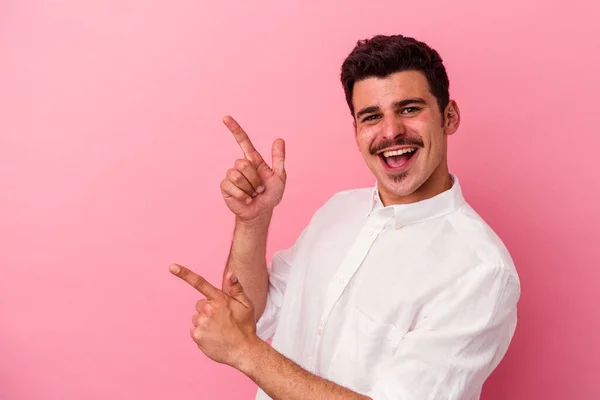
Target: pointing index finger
x,y
196,281
243,140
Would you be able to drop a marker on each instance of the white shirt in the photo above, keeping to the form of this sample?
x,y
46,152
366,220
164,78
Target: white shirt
x,y
414,301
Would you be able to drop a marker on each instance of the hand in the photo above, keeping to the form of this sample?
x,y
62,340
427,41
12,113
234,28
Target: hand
x,y
251,188
223,326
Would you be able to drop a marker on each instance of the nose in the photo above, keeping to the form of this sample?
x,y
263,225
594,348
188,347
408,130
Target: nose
x,y
392,127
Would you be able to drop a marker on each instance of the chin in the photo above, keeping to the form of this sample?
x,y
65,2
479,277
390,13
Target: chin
x,y
400,186
403,185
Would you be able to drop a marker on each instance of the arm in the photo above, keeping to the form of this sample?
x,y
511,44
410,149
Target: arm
x,y
251,190
248,261
231,340
282,379
448,355
455,346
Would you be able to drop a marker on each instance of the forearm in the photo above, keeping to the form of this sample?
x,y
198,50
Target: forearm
x,y
282,379
247,258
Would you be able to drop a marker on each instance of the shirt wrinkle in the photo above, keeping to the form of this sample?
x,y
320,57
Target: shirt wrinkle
x,y
411,301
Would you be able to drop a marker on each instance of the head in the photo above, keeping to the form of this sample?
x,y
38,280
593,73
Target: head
x,y
397,91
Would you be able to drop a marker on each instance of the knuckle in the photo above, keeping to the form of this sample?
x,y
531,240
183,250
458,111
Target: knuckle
x,y
232,173
208,309
237,178
203,321
197,334
199,304
241,163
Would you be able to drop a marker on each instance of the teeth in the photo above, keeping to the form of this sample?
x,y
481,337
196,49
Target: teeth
x,y
398,152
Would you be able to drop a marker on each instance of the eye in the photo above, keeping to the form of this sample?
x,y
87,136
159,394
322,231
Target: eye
x,y
370,118
409,110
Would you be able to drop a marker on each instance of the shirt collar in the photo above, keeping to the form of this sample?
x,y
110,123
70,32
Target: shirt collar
x,y
435,207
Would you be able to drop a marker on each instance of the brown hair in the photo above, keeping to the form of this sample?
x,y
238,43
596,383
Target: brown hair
x,y
381,56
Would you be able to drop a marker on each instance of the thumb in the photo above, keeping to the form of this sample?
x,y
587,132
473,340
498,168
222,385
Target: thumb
x,y
278,157
236,291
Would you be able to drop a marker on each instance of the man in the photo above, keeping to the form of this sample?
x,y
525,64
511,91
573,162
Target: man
x,y
400,291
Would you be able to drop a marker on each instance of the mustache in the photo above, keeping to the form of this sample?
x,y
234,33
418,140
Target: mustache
x,y
401,141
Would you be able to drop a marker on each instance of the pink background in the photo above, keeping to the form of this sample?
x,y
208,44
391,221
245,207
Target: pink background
x,y
112,150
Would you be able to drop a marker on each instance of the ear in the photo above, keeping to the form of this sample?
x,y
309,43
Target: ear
x,y
355,131
451,118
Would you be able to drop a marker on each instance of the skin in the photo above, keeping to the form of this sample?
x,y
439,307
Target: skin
x,y
251,190
224,329
417,122
394,111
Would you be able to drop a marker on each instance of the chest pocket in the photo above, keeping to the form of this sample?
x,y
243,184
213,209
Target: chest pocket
x,y
375,340
364,347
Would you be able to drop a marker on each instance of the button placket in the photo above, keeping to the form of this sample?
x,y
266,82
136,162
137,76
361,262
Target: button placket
x,y
352,262
348,267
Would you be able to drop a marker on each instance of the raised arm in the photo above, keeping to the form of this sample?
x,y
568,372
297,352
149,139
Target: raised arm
x,y
251,190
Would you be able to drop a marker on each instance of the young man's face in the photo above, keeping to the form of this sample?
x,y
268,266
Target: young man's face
x,y
402,135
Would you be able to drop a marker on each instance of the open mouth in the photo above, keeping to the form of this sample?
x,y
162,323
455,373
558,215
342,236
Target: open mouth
x,y
398,159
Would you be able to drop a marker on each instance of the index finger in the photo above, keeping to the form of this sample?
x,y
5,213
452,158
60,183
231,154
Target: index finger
x,y
242,139
196,281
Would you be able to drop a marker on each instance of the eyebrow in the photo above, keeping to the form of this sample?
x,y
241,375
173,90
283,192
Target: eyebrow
x,y
398,104
367,110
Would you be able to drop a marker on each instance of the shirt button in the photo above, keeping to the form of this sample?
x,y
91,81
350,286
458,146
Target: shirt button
x,y
370,233
398,226
319,332
342,280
